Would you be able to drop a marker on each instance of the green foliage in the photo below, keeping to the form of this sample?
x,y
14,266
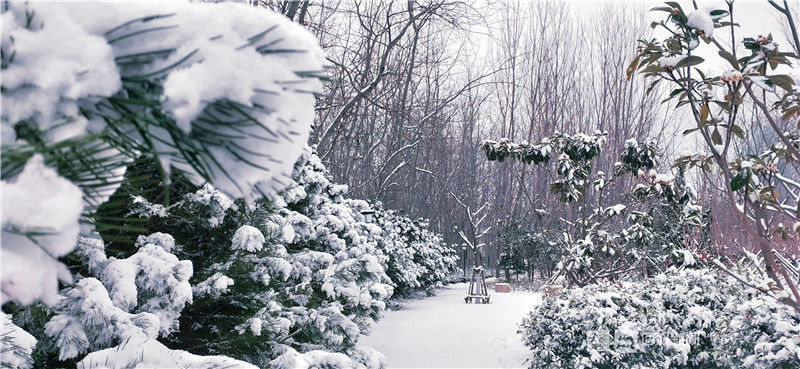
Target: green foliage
x,y
524,152
741,179
637,156
32,319
527,248
574,164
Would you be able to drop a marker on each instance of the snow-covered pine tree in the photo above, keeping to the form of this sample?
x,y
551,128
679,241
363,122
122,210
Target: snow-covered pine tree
x,y
691,318
16,345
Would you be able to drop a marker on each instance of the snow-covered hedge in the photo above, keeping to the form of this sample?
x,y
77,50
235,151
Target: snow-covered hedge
x,y
291,281
680,319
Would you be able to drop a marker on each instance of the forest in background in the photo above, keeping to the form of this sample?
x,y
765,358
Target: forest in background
x,y
414,90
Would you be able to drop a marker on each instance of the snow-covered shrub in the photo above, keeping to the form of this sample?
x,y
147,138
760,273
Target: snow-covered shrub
x,y
87,320
418,259
512,259
664,224
139,295
679,319
336,261
208,204
760,333
527,249
116,314
218,92
237,310
152,280
292,279
404,272
573,165
297,277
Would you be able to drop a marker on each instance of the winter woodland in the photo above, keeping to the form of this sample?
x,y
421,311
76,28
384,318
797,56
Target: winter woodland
x,y
314,184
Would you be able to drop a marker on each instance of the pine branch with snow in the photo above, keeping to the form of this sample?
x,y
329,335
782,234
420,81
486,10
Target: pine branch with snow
x,y
218,92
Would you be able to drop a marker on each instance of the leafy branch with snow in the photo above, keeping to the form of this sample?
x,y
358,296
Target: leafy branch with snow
x,y
760,187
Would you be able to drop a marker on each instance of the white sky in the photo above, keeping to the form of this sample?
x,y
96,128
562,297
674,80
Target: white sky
x,y
754,18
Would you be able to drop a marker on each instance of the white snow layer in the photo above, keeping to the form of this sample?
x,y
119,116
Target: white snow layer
x,y
40,224
216,285
444,332
671,61
248,238
312,359
54,66
143,352
701,21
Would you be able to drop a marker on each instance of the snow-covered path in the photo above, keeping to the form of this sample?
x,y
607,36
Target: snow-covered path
x,y
444,332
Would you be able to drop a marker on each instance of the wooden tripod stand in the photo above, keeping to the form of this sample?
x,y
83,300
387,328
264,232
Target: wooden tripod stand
x,y
477,293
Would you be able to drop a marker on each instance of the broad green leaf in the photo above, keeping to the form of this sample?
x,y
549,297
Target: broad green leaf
x,y
722,104
783,81
730,58
725,24
675,92
661,9
704,113
740,179
751,44
674,5
652,86
719,13
690,61
737,131
716,137
791,112
653,68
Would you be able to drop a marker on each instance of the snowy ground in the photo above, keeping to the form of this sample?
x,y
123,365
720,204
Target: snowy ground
x,y
444,332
